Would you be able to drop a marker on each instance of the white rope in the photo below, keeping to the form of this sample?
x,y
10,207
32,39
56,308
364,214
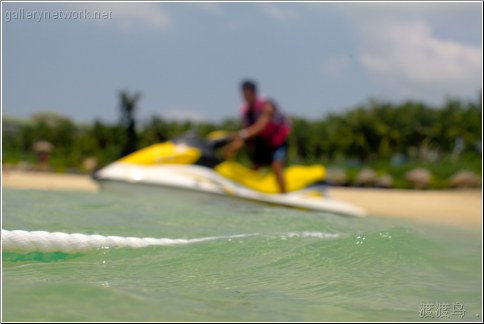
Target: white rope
x,y
41,241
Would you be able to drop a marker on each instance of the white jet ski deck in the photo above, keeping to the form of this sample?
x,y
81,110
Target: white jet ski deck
x,y
190,163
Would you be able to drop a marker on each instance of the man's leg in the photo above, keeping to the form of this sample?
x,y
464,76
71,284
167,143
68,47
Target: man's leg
x,y
278,168
278,158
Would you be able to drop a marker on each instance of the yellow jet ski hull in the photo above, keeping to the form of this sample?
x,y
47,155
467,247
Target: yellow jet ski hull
x,y
190,165
297,177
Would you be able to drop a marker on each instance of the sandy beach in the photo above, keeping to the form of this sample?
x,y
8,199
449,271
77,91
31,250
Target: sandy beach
x,y
456,207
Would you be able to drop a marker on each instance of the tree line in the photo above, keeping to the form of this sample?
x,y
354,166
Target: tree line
x,y
374,131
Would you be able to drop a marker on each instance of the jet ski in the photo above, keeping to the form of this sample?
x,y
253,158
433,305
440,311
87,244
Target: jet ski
x,y
192,163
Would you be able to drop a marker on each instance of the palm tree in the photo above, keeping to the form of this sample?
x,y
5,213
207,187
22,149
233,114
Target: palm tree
x,y
127,107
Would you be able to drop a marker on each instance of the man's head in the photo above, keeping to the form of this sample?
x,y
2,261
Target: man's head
x,y
249,91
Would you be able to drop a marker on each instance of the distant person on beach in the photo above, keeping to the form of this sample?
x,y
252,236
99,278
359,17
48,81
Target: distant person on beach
x,y
42,150
265,133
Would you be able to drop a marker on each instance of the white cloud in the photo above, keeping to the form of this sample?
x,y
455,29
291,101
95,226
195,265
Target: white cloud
x,y
409,52
414,49
208,7
277,11
129,16
370,11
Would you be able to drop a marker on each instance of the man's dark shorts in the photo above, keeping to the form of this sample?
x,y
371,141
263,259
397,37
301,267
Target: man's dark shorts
x,y
262,154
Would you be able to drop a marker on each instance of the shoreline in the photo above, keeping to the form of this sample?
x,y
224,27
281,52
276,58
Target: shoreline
x,y
451,207
446,207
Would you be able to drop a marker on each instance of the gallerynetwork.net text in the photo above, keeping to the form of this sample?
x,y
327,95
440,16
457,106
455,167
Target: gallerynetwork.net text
x,y
58,14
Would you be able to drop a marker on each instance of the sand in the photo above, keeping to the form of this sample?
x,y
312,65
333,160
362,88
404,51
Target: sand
x,y
453,207
47,181
459,207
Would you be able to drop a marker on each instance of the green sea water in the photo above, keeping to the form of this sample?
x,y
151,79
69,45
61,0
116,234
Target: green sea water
x,y
294,266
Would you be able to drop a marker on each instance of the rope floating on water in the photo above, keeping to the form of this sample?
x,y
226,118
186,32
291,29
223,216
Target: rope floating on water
x,y
41,241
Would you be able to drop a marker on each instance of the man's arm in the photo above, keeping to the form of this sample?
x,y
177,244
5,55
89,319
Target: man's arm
x,y
256,128
260,124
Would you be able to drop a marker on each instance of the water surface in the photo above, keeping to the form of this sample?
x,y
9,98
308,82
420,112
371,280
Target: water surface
x,y
298,265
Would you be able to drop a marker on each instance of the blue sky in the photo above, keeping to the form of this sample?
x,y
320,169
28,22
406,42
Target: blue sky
x,y
187,59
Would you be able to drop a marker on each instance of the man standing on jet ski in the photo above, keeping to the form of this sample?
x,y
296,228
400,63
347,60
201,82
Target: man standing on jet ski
x,y
265,133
